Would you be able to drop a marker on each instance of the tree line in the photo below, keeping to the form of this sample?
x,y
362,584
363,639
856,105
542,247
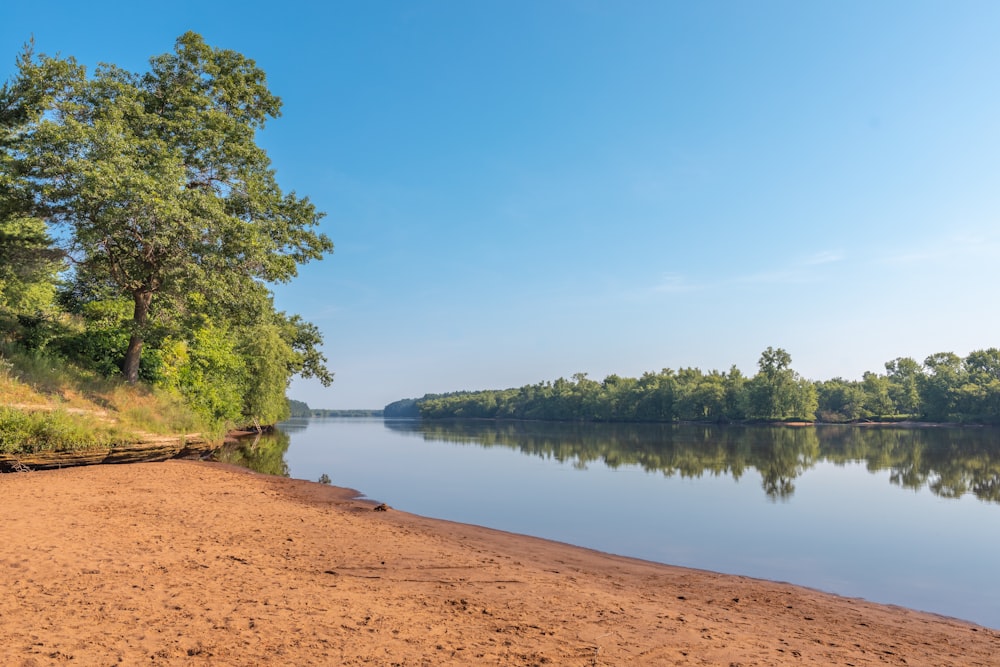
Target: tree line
x,y
141,227
945,388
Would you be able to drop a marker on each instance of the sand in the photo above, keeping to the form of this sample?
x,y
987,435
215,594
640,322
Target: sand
x,y
188,563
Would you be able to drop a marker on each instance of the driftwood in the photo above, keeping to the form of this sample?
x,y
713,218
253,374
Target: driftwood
x,y
151,449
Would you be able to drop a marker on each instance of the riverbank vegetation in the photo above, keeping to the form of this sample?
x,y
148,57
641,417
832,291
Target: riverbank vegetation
x,y
140,228
945,388
51,403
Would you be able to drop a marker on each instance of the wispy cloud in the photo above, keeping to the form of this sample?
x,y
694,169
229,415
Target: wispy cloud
x,y
794,271
770,277
672,283
957,247
824,257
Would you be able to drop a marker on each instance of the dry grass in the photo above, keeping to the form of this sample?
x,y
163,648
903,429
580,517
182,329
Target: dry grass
x,y
50,404
13,391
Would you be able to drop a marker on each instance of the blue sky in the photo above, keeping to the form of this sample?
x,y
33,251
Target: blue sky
x,y
523,190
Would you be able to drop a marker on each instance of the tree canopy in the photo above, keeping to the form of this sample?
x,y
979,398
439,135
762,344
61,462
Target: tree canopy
x,y
169,221
157,183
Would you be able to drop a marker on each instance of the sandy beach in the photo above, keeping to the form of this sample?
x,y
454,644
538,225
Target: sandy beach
x,y
189,563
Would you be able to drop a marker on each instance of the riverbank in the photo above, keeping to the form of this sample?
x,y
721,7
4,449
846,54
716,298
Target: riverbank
x,y
190,563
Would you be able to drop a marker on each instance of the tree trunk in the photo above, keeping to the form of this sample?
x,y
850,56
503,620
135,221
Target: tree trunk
x,y
130,365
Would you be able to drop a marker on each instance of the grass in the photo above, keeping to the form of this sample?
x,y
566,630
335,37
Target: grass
x,y
22,431
51,404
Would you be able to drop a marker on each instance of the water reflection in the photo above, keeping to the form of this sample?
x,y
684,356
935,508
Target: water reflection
x,y
950,462
263,453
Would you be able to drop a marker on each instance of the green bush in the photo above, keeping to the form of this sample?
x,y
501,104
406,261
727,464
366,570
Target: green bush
x,y
207,371
29,432
102,342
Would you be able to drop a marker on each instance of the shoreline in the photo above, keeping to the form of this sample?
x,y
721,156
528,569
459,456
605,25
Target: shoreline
x,y
186,562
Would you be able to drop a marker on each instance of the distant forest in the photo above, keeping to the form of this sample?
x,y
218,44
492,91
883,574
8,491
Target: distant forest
x,y
301,409
945,388
345,413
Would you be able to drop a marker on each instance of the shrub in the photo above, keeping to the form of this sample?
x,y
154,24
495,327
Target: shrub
x,y
29,432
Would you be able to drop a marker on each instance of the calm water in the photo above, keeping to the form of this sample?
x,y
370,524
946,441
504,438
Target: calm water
x,y
903,516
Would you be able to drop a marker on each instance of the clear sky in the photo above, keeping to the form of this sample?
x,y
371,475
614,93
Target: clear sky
x,y
520,190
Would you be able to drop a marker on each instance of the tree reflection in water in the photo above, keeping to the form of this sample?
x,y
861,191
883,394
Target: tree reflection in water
x,y
950,462
264,453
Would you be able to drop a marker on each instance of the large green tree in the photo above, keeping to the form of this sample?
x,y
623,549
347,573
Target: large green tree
x,y
158,182
777,391
905,376
941,385
28,261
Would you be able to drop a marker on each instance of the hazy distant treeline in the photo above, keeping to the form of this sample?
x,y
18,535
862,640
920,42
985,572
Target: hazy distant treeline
x,y
316,412
945,388
301,409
